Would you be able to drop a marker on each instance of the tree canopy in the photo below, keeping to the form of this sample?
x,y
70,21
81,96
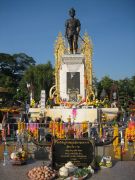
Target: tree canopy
x,y
40,77
12,68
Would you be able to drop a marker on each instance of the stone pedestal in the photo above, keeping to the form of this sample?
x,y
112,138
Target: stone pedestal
x,y
72,77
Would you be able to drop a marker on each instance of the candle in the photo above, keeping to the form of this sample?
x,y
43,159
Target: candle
x,y
126,140
63,130
115,133
19,127
100,131
60,130
8,129
3,134
53,128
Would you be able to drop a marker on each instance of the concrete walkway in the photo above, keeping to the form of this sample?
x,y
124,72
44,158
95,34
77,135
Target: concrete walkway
x,y
122,170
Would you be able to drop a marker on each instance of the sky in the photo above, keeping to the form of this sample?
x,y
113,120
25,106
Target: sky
x,y
32,27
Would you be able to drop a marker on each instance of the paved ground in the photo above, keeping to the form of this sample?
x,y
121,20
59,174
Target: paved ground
x,y
122,170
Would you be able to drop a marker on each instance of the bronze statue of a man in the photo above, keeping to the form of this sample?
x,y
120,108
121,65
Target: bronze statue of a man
x,y
73,27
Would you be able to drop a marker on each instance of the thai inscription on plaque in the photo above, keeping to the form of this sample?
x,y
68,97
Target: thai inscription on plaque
x,y
79,151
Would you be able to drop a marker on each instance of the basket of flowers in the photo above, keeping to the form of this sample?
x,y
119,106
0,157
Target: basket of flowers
x,y
18,157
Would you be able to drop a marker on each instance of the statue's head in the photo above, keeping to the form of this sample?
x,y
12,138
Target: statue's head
x,y
72,12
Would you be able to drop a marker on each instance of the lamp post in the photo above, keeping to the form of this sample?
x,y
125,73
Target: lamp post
x,y
29,86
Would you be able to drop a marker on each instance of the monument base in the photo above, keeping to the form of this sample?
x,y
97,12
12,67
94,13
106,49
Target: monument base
x,y
89,115
82,114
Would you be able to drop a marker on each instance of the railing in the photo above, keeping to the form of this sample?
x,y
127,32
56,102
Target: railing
x,y
41,134
56,129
